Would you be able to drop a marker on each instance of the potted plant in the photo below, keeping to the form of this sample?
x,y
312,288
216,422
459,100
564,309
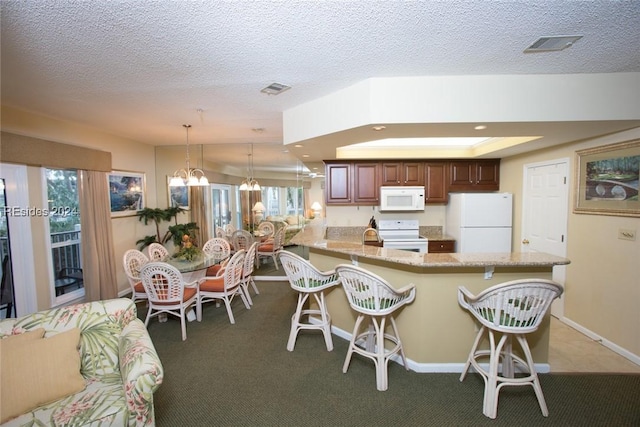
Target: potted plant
x,y
174,232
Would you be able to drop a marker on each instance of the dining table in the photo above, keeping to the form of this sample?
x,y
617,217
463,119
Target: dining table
x,y
192,271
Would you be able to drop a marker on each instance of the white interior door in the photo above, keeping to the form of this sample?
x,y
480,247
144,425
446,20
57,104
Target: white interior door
x,y
544,215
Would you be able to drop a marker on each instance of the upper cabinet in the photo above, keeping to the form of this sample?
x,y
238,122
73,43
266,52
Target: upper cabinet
x,y
358,182
402,173
352,183
366,182
338,183
435,174
474,175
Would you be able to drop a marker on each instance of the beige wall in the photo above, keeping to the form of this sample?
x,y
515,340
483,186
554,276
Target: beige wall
x,y
603,280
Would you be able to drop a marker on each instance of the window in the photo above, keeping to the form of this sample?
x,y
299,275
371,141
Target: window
x,y
283,200
64,229
220,206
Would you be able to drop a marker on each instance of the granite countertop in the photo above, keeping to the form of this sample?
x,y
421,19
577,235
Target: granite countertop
x,y
313,237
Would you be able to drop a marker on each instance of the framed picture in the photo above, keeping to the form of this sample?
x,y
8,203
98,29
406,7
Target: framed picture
x,y
126,193
607,180
178,196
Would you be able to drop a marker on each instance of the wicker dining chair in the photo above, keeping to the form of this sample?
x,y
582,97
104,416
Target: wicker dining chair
x,y
248,267
241,239
168,293
132,261
272,247
157,252
226,285
266,229
219,249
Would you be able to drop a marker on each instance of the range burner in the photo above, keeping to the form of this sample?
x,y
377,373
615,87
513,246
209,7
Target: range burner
x,y
402,234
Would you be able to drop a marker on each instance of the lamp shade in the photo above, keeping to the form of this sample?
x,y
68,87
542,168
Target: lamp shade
x,y
258,207
316,206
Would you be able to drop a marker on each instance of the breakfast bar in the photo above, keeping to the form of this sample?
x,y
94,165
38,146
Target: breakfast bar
x,y
436,332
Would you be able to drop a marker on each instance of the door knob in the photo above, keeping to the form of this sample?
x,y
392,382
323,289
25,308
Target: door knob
x,y
525,242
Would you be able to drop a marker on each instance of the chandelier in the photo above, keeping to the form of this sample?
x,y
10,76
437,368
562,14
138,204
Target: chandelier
x,y
189,177
250,184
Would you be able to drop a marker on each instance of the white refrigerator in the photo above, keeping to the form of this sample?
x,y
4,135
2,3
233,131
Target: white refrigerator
x,y
480,222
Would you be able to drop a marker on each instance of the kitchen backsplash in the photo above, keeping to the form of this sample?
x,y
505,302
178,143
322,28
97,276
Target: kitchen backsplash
x,y
354,234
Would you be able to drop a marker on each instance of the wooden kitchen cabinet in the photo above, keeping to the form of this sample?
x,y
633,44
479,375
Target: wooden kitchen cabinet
x,y
358,181
474,175
366,182
436,182
338,187
441,246
352,183
402,173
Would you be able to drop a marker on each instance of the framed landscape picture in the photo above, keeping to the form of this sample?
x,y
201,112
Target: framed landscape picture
x,y
178,196
126,193
607,180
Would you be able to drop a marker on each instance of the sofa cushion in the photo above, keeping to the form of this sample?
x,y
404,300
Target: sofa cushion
x,y
39,371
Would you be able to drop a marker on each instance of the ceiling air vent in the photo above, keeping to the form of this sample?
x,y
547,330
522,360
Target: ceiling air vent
x,y
551,43
275,89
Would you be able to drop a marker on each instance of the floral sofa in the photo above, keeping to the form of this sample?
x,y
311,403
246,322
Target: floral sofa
x,y
119,369
294,224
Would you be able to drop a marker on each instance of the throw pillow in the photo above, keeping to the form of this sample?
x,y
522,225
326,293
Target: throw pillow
x,y
39,371
292,220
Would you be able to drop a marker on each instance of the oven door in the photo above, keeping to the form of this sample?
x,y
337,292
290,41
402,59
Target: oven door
x,y
415,245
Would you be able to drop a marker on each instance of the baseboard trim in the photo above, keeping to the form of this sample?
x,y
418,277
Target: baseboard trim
x,y
541,368
271,278
610,345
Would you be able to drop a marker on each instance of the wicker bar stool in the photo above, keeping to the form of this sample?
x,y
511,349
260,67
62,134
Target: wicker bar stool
x,y
308,280
507,311
372,297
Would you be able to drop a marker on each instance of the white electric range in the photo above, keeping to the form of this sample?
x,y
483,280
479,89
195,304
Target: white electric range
x,y
402,234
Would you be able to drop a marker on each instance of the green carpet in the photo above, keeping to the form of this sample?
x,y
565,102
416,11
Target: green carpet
x,y
242,375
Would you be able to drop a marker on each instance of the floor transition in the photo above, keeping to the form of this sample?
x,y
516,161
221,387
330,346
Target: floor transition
x,y
572,351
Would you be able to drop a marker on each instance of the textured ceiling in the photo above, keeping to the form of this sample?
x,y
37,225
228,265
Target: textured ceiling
x,y
140,69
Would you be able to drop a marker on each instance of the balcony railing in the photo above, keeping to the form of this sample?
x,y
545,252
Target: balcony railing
x,y
65,250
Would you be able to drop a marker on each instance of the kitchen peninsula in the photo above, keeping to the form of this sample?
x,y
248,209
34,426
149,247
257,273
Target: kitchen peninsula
x,y
436,333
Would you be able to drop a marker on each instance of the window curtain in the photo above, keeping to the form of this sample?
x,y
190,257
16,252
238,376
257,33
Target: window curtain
x,y
98,259
308,213
199,214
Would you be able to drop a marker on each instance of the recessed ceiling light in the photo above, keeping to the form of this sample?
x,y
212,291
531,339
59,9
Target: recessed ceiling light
x,y
552,43
298,145
305,155
275,89
480,127
379,128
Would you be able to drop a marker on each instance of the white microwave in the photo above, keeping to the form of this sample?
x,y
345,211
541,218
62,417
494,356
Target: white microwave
x,y
398,199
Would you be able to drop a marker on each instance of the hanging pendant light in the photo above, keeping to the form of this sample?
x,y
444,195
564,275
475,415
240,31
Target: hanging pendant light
x,y
250,184
189,177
